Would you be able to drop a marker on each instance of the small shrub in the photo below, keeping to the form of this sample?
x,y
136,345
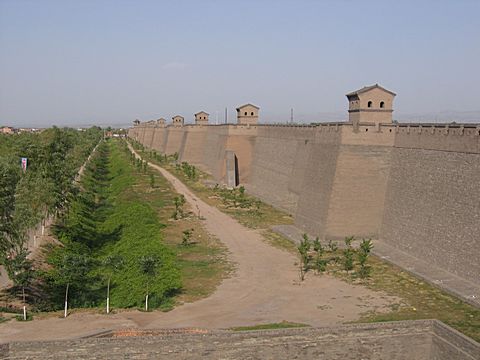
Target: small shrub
x,y
186,237
179,201
20,317
366,247
332,246
303,250
348,253
320,264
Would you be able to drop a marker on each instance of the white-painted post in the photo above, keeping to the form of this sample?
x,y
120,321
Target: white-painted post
x,y
66,302
24,307
146,302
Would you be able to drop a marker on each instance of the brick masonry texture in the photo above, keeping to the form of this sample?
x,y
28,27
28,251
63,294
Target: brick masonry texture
x,y
412,340
432,208
414,186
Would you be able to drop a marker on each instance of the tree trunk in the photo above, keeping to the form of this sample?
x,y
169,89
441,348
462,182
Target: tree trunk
x,y
146,299
66,301
24,307
108,296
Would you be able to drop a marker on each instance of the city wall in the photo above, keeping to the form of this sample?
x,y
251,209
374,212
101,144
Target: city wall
x,y
414,186
399,340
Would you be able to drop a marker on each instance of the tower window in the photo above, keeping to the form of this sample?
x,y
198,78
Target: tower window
x,y
245,113
369,104
251,113
382,104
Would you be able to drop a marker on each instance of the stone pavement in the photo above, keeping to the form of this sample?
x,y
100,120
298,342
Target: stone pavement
x,y
440,278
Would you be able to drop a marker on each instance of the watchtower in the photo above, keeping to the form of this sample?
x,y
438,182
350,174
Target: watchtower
x,y
370,104
247,114
136,122
201,118
161,122
178,120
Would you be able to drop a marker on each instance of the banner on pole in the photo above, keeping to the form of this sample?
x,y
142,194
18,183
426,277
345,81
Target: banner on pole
x,y
24,163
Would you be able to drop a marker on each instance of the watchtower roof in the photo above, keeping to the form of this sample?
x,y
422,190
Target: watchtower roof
x,y
202,113
368,88
243,106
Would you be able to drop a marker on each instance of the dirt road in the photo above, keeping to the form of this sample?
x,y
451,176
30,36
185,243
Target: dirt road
x,y
264,288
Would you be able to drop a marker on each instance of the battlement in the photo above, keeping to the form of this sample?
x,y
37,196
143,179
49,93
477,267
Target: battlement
x,y
444,137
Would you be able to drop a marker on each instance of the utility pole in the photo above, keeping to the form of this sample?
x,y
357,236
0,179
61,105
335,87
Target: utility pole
x,y
291,116
226,115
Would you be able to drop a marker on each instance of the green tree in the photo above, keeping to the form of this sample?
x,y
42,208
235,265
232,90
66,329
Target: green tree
x,y
303,251
70,269
111,264
178,201
366,247
20,271
348,254
149,265
10,237
320,263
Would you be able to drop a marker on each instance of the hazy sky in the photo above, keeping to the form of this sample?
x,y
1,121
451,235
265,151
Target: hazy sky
x,y
82,62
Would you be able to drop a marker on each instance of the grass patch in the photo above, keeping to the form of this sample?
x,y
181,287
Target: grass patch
x,y
279,241
248,210
203,263
271,326
420,300
20,317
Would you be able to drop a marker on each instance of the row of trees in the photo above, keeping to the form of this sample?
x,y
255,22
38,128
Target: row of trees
x,y
314,255
44,189
105,247
70,266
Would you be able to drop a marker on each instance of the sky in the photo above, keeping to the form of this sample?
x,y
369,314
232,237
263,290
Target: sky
x,y
103,62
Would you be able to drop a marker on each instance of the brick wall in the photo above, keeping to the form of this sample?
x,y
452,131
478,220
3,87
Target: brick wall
x,y
414,186
432,208
412,340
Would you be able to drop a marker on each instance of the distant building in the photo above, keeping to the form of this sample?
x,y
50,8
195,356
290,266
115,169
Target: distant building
x,y
136,122
247,114
201,118
7,130
178,120
161,122
370,104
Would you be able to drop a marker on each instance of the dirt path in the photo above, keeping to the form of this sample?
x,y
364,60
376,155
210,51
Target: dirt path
x,y
263,289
